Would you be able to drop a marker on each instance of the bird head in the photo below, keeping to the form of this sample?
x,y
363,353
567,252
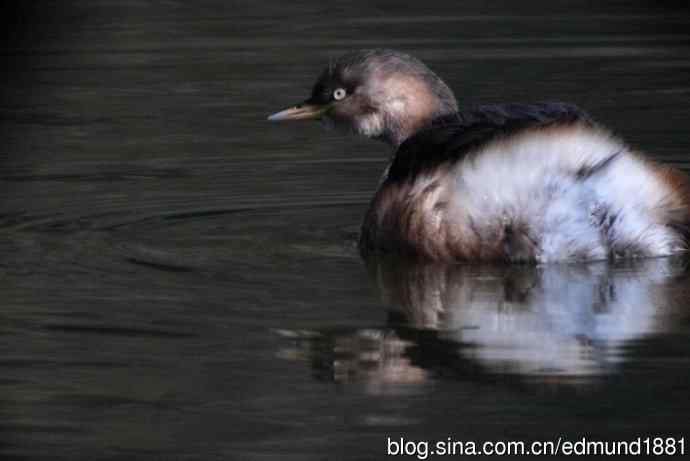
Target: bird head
x,y
381,94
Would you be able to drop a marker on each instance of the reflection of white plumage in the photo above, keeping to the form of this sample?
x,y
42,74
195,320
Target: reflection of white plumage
x,y
559,323
514,182
563,319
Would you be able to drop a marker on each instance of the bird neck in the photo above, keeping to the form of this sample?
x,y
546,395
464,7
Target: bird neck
x,y
399,129
421,104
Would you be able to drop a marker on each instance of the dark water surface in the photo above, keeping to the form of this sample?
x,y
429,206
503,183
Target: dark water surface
x,y
179,278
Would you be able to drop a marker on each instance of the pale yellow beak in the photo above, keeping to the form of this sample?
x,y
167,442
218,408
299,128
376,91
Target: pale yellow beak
x,y
299,112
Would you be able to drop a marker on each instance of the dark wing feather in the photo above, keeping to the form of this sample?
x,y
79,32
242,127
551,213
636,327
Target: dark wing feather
x,y
451,137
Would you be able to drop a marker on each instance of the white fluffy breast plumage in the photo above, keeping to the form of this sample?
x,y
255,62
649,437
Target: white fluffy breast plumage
x,y
573,192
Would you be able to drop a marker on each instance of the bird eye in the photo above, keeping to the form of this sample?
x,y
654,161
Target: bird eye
x,y
339,94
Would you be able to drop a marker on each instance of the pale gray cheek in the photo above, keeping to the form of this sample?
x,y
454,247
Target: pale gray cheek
x,y
371,125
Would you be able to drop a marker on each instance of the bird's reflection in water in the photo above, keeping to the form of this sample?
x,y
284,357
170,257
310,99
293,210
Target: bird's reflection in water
x,y
565,323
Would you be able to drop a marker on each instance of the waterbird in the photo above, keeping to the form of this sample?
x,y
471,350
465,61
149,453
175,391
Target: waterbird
x,y
512,182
